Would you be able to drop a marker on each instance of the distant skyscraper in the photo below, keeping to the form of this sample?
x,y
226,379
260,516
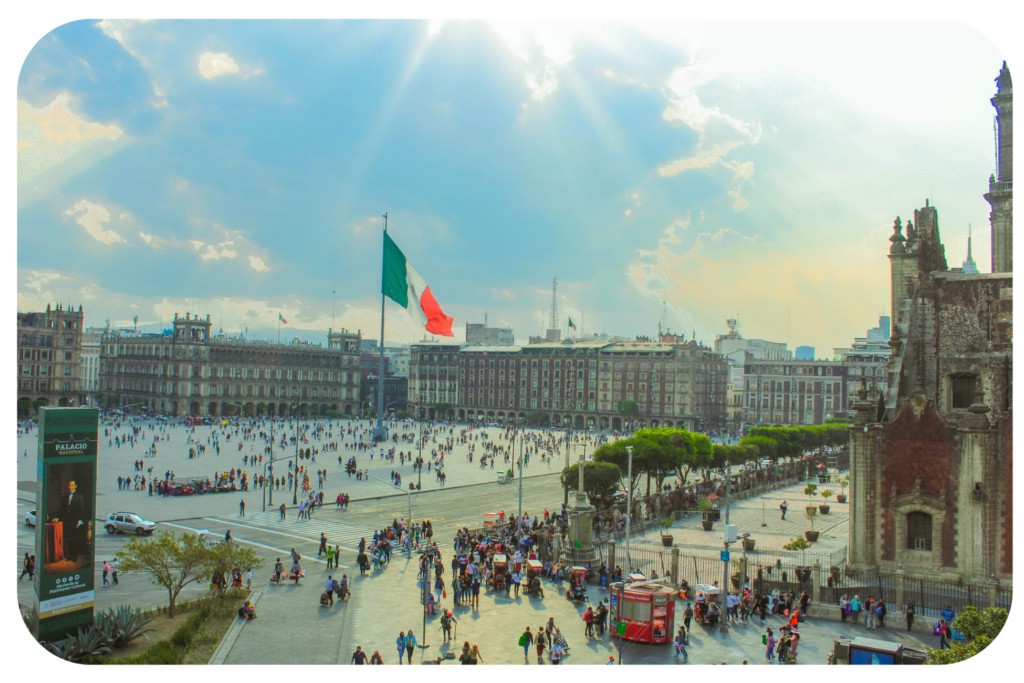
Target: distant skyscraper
x,y
804,353
969,266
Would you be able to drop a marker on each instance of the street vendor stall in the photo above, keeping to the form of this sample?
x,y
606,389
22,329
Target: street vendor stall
x,y
646,611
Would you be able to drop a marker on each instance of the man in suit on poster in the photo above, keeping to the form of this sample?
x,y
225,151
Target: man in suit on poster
x,y
72,513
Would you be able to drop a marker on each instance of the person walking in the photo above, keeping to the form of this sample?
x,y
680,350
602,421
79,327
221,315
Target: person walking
x,y
516,579
106,570
588,617
475,655
359,657
241,508
282,509
330,557
113,569
769,640
323,545
526,640
910,616
25,567
945,635
871,615
784,507
410,644
329,590
376,658
400,644
680,645
688,616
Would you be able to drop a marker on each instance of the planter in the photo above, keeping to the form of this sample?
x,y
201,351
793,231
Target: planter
x,y
823,509
811,510
803,574
666,540
713,515
811,536
735,579
707,524
841,498
822,480
748,544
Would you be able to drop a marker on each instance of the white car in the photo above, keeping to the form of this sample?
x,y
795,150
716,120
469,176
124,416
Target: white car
x,y
767,463
128,522
30,518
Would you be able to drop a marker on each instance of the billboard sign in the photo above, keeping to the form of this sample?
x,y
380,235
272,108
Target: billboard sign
x,y
65,526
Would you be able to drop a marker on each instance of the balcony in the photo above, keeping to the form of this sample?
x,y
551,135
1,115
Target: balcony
x,y
1002,186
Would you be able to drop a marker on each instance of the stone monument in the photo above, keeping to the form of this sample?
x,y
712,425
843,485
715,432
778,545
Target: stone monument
x,y
578,549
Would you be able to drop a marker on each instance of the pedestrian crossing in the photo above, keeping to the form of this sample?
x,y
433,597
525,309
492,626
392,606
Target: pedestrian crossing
x,y
338,533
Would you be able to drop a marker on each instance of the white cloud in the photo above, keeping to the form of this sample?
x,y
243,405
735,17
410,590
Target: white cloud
x,y
212,251
506,294
363,227
214,64
154,241
91,216
627,212
88,291
685,105
740,203
119,30
197,244
257,264
49,135
37,279
703,158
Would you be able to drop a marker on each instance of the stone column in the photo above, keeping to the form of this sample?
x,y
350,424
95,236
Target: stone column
x,y
611,560
993,594
900,576
815,583
675,566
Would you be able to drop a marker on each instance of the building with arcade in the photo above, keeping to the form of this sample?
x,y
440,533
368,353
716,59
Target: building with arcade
x,y
187,371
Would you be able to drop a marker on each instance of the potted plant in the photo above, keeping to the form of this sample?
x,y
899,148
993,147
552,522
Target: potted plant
x,y
826,494
748,544
809,491
800,544
811,535
704,505
843,483
666,524
835,572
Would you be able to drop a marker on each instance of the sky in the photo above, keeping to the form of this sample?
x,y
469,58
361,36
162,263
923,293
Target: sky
x,y
682,172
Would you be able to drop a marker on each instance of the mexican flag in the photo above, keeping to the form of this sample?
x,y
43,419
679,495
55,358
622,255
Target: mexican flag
x,y
403,285
572,324
281,318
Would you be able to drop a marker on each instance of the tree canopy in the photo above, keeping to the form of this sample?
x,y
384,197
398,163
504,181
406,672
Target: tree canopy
x,y
537,417
625,407
658,452
173,562
979,629
599,479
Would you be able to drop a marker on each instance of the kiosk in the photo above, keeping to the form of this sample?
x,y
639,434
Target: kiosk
x,y
648,610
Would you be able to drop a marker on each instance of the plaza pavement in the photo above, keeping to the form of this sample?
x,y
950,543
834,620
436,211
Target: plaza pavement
x,y
173,455
748,516
387,601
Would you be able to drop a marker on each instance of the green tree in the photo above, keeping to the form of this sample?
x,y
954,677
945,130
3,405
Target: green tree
x,y
664,450
979,630
766,447
599,479
616,454
537,417
226,556
170,561
625,407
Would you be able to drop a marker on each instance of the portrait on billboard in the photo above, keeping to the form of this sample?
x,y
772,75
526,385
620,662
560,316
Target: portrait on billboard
x,y
69,517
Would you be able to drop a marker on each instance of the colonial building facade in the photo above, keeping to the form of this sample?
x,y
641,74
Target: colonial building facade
x,y
577,383
433,378
50,359
189,372
931,472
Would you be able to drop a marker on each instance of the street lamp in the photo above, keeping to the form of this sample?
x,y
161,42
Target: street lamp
x,y
724,592
629,510
295,487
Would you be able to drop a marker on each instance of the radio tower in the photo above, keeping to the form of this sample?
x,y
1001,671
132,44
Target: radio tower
x,y
553,325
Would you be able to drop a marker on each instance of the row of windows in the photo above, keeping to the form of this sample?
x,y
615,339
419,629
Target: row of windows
x,y
42,385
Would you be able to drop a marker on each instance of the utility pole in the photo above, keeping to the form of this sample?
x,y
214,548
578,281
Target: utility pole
x,y
629,510
520,518
724,592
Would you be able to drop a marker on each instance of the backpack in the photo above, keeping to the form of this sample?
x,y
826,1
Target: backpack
x,y
522,640
324,598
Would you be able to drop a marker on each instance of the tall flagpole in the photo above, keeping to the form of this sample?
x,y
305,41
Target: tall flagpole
x,y
378,433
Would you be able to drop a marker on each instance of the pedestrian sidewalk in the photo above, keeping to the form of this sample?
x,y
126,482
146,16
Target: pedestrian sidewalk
x,y
387,602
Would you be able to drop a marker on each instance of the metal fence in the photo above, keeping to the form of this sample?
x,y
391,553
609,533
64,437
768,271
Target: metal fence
x,y
929,596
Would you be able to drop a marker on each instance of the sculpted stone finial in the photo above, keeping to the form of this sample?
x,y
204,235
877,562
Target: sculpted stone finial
x,y
897,238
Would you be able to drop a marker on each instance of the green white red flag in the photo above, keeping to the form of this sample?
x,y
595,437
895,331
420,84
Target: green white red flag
x,y
403,285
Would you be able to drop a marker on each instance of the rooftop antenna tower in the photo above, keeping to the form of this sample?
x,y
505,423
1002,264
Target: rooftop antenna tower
x,y
554,305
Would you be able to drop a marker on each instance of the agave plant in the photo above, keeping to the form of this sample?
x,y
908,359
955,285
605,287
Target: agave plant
x,y
66,649
91,641
128,623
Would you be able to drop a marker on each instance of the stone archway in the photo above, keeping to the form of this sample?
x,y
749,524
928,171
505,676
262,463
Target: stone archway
x,y
462,414
579,421
211,409
64,402
603,423
324,408
24,406
39,403
193,408
348,408
271,410
261,409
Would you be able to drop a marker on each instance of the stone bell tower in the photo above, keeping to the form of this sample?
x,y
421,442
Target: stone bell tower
x,y
1000,190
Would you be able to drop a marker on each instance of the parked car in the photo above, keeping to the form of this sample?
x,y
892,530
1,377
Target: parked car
x,y
767,463
30,518
128,523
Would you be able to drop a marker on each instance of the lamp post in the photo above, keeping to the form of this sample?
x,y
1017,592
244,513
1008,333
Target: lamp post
x,y
519,519
568,434
295,486
724,592
629,510
264,487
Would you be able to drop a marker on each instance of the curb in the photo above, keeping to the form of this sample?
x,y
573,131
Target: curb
x,y
228,641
